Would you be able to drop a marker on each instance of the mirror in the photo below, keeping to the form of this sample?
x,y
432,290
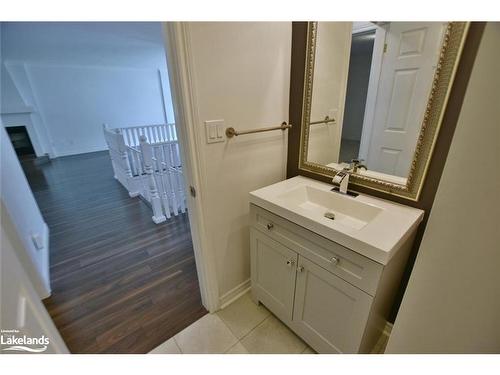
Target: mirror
x,y
374,92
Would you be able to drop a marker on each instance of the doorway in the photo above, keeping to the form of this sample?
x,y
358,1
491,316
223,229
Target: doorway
x,y
360,62
121,283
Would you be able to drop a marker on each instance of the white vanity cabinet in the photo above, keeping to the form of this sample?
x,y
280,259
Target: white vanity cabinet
x,y
274,273
329,313
334,298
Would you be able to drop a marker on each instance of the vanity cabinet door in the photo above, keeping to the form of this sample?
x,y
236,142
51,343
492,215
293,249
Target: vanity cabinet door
x,y
329,313
273,274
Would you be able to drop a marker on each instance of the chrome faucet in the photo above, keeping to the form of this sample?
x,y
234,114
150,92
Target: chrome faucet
x,y
341,178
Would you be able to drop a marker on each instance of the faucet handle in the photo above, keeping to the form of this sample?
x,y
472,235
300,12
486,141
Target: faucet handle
x,y
356,161
356,164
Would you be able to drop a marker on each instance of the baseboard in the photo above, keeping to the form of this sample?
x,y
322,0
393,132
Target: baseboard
x,y
80,152
234,294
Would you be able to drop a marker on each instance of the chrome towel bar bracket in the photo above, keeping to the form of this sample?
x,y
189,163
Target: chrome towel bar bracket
x,y
231,132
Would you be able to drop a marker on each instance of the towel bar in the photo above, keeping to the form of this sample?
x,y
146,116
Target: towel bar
x,y
231,132
325,121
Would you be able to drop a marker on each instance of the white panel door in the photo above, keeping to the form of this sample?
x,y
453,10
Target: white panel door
x,y
329,313
273,274
408,66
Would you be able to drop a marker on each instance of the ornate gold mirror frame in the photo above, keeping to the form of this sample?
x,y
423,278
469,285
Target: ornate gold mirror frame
x,y
451,50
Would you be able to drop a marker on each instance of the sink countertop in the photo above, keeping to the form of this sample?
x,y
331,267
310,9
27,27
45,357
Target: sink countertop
x,y
378,239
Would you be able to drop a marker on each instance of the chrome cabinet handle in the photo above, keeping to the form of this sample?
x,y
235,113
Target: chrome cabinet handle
x,y
334,261
300,268
290,262
270,226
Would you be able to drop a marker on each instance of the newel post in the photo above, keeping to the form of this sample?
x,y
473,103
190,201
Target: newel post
x,y
130,183
147,156
122,150
105,131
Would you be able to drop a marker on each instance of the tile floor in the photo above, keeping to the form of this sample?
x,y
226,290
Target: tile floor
x,y
240,328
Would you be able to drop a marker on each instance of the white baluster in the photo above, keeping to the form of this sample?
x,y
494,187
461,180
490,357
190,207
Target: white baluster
x,y
130,162
167,132
144,191
163,184
158,134
136,137
125,164
182,190
140,131
173,180
147,155
180,177
174,132
151,131
162,132
168,185
165,129
127,136
109,142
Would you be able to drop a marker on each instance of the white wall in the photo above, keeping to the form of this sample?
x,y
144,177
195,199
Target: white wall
x,y
240,73
331,68
63,80
452,303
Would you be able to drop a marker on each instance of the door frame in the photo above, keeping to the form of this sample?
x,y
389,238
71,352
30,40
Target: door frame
x,y
179,60
373,83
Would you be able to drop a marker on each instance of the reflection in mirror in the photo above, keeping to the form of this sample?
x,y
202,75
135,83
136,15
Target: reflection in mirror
x,y
370,87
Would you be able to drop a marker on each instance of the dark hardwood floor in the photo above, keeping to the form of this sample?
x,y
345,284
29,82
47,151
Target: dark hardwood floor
x,y
120,283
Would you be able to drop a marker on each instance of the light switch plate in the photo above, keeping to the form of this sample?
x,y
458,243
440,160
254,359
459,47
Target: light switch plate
x,y
215,131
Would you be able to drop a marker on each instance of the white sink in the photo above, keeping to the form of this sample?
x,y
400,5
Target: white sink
x,y
319,203
373,227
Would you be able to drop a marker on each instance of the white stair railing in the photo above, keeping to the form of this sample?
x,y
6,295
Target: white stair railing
x,y
146,161
169,178
153,133
154,197
139,184
119,158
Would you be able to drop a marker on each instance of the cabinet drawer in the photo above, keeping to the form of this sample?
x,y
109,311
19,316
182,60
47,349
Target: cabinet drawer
x,y
347,264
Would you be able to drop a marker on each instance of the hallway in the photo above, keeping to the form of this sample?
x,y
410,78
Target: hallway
x,y
120,283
